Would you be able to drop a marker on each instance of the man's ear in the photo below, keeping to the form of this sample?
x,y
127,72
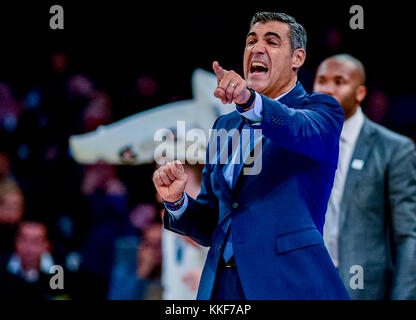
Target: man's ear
x,y
360,93
298,58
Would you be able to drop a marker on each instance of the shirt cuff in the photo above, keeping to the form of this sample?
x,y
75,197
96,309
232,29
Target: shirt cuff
x,y
256,113
177,214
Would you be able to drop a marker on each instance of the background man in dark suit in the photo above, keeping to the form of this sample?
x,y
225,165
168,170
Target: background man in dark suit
x,y
371,217
266,225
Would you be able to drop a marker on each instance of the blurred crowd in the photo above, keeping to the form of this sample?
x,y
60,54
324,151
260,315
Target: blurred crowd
x,y
101,223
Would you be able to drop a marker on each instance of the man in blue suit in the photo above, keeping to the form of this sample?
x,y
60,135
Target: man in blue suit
x,y
264,226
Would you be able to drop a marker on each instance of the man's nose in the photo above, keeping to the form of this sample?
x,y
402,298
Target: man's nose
x,y
259,48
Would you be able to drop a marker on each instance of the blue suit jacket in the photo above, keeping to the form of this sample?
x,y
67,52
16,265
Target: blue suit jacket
x,y
276,216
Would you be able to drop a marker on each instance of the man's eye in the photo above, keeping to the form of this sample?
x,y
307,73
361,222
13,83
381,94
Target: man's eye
x,y
251,42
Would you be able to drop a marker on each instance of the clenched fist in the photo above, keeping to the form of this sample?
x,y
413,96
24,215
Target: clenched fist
x,y
170,181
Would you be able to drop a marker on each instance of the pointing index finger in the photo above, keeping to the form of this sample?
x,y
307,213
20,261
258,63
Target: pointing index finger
x,y
219,71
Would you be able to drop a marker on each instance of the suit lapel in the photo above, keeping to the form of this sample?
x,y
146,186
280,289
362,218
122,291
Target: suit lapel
x,y
225,191
361,153
240,177
298,92
235,122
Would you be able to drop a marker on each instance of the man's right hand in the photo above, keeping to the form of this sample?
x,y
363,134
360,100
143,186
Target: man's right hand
x,y
170,181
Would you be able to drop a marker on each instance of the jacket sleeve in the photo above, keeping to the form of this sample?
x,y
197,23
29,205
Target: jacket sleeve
x,y
312,129
200,218
402,198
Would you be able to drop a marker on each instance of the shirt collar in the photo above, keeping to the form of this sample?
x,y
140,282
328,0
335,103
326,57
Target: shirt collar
x,y
46,262
282,95
255,114
352,126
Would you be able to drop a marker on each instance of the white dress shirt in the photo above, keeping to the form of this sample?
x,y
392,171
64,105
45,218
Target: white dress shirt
x,y
349,135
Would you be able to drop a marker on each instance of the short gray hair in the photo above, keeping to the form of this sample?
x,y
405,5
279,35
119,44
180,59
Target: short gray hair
x,y
297,33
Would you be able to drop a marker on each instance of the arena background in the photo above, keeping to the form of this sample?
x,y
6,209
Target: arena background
x,y
120,46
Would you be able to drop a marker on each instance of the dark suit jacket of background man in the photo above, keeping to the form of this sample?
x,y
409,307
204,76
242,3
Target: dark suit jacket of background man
x,y
377,228
276,216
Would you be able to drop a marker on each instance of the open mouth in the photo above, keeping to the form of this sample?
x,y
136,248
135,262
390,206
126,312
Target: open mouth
x,y
258,67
